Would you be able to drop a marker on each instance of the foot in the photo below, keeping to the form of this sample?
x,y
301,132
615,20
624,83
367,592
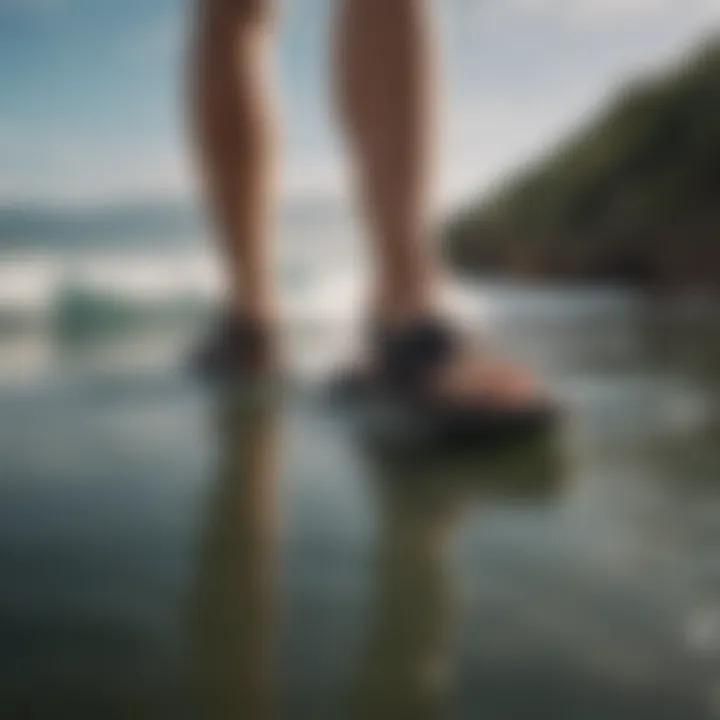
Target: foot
x,y
430,366
237,349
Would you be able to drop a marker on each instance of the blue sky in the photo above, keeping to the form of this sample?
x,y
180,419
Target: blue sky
x,y
90,90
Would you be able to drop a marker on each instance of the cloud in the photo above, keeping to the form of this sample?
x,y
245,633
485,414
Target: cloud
x,y
596,8
616,10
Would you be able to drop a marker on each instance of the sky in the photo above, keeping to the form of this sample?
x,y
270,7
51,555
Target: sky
x,y
91,90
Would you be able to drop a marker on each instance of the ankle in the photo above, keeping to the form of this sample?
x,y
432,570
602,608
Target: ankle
x,y
257,336
261,314
398,308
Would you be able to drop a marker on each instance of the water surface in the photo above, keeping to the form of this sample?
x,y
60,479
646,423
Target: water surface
x,y
169,553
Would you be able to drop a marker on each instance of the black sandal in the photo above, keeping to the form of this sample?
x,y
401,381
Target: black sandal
x,y
399,382
236,350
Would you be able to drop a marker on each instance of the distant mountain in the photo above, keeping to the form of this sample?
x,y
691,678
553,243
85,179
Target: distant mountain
x,y
633,197
47,227
132,224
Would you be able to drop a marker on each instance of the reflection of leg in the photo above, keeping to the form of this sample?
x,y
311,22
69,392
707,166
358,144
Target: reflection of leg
x,y
234,122
403,669
422,503
234,608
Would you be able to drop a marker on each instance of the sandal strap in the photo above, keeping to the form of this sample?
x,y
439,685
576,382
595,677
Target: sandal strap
x,y
407,356
235,346
239,332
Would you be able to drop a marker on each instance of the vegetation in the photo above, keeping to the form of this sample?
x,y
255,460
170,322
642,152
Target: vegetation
x,y
633,197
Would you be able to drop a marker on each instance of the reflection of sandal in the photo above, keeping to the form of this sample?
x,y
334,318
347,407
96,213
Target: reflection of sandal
x,y
405,368
535,471
236,350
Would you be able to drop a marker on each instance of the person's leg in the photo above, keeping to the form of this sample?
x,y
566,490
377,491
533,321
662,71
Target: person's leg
x,y
235,128
385,95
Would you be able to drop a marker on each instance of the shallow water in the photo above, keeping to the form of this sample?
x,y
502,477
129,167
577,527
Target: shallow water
x,y
169,554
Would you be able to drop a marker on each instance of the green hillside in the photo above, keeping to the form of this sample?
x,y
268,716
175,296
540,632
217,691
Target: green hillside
x,y
633,197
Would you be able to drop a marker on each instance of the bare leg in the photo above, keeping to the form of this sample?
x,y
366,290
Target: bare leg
x,y
385,94
233,109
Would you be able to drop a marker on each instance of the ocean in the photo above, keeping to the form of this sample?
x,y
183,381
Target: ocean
x,y
170,552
